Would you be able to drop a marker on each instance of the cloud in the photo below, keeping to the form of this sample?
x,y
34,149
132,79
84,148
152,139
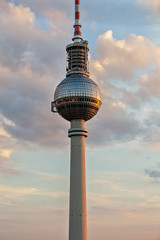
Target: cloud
x,y
152,6
149,85
127,93
43,175
128,68
55,10
11,194
153,132
121,58
7,145
154,174
30,66
19,193
32,61
7,166
115,125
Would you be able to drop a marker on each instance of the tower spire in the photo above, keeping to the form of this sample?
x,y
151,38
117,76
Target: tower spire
x,y
77,26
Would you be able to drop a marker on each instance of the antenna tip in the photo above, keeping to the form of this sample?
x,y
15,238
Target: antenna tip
x,y
77,25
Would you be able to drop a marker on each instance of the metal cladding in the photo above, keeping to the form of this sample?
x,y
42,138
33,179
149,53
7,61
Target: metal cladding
x,y
77,97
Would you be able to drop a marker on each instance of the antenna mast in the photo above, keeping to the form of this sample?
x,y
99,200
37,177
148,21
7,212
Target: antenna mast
x,y
77,26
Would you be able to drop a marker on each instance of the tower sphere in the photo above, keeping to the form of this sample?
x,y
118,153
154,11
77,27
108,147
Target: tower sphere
x,y
77,97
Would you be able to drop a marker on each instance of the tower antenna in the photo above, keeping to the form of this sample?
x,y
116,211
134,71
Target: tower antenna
x,y
77,99
77,26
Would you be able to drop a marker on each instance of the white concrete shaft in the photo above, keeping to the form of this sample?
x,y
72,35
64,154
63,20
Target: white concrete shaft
x,y
78,210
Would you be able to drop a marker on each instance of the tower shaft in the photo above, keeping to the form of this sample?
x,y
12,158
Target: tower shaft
x,y
78,209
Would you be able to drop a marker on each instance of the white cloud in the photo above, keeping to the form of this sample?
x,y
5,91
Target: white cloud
x,y
121,58
128,72
149,85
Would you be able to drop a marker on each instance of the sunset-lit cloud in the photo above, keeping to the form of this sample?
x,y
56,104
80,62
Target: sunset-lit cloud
x,y
6,153
152,6
122,58
37,61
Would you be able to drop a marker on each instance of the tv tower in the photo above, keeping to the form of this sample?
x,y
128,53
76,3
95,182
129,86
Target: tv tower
x,y
77,99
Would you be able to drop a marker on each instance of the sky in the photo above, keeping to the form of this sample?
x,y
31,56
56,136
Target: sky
x,y
123,144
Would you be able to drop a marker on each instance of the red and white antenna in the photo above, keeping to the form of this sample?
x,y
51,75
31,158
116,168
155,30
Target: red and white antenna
x,y
77,26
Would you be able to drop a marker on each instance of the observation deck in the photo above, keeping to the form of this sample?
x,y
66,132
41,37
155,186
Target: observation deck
x,y
77,97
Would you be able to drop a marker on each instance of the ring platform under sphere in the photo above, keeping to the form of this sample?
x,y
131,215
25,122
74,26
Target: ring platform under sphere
x,y
77,97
